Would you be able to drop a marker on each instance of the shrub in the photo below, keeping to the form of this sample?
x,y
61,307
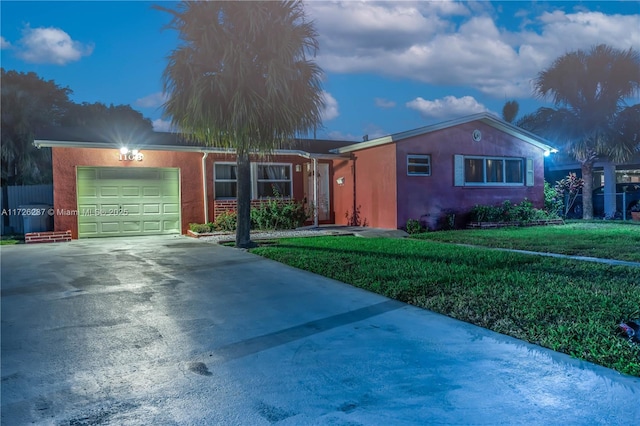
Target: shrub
x,y
226,221
509,212
354,218
413,226
568,189
200,228
278,213
553,203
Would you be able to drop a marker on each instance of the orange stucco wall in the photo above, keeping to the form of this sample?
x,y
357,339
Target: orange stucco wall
x,y
65,161
369,187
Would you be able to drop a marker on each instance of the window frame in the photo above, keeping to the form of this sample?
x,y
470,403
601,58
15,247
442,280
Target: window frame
x,y
418,156
215,179
255,181
504,160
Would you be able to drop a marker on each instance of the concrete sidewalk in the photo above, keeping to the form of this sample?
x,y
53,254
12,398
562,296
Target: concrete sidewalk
x,y
176,331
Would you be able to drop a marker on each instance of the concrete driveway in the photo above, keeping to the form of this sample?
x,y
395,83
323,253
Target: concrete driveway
x,y
175,331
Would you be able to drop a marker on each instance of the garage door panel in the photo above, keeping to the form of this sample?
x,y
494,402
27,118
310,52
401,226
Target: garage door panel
x,y
168,208
87,173
171,225
151,208
109,208
109,227
131,209
129,201
152,226
108,191
130,226
88,228
131,191
150,191
87,191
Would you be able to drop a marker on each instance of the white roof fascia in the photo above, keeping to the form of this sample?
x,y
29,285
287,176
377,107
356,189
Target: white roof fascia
x,y
176,148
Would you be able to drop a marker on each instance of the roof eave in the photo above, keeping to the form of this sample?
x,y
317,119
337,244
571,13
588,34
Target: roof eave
x,y
40,143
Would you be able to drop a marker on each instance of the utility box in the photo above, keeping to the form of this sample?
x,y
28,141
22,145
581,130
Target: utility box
x,y
36,218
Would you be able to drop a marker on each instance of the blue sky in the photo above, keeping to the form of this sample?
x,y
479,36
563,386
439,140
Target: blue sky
x,y
389,66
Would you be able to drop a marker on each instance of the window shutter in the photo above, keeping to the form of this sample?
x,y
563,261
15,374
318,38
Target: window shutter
x,y
458,170
529,169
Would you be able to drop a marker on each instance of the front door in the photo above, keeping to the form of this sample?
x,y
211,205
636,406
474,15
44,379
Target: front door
x,y
323,204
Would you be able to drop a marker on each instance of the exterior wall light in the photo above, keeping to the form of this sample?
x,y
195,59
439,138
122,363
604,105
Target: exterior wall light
x,y
124,150
340,181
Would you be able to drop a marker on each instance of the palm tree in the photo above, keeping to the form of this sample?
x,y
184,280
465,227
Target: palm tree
x,y
588,90
510,111
241,78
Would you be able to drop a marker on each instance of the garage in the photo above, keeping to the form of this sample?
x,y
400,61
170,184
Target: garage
x,y
127,201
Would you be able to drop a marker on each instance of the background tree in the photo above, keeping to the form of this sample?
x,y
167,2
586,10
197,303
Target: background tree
x,y
120,123
241,78
510,111
29,103
591,119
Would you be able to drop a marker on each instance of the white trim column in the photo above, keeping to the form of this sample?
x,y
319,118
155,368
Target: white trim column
x,y
315,192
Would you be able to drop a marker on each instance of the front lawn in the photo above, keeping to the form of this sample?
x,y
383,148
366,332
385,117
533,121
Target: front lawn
x,y
608,240
569,306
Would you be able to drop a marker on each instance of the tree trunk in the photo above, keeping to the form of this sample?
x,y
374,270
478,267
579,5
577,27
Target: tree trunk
x,y
243,230
587,190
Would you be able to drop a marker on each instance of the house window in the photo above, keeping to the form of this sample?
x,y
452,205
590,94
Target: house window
x,y
267,180
418,165
226,181
501,171
272,180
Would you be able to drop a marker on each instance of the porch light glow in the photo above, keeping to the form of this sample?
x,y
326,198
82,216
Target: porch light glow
x,y
124,150
547,153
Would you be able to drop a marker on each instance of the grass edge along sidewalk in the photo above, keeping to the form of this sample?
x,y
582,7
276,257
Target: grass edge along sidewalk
x,y
566,305
600,239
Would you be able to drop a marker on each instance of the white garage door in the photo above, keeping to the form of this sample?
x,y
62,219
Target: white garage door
x,y
118,201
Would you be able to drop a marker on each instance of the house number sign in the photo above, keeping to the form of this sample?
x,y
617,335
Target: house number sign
x,y
130,156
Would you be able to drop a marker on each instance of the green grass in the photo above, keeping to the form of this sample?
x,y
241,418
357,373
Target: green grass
x,y
11,239
569,306
608,240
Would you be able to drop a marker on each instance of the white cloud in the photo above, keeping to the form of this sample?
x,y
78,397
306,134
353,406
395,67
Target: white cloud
x,y
447,107
4,44
50,46
330,110
152,100
160,125
421,41
384,103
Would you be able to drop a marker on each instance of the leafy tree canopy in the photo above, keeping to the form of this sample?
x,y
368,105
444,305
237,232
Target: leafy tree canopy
x,y
30,104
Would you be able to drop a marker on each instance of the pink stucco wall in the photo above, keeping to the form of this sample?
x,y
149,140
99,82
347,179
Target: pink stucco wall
x,y
431,198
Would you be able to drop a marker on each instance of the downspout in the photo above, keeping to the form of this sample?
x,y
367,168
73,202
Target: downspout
x,y
315,192
204,187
